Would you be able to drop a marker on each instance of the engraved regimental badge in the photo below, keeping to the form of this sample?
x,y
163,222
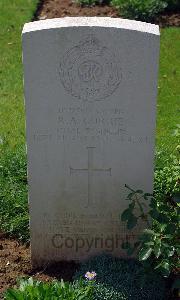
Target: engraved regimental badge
x,y
89,70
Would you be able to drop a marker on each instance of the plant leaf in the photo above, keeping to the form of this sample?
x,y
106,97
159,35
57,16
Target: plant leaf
x,y
144,253
164,267
132,205
147,195
157,249
130,196
132,222
126,215
139,192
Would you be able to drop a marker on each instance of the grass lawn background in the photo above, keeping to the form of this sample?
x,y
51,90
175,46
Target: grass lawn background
x,y
168,109
14,13
14,216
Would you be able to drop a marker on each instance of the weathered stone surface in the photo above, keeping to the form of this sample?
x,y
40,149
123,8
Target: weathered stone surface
x,y
90,95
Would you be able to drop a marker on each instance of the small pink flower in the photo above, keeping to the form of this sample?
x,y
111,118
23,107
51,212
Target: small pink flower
x,y
90,275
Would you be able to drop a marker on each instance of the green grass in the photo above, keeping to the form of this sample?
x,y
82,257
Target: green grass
x,y
14,217
168,112
13,14
13,187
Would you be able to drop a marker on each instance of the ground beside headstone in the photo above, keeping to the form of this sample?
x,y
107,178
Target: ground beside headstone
x,y
68,8
15,263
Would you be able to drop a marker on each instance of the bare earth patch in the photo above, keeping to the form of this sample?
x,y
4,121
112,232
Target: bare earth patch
x,y
62,8
15,263
49,9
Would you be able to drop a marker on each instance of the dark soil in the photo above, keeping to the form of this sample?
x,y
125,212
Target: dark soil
x,y
62,8
15,263
169,19
49,9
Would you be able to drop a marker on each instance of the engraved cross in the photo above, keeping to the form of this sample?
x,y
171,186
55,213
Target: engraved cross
x,y
90,172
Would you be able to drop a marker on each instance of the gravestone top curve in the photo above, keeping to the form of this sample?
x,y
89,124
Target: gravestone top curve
x,y
92,22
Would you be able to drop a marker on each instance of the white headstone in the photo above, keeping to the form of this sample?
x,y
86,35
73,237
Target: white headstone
x,y
90,96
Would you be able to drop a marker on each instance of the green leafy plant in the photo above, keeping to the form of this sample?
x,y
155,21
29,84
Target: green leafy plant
x,y
173,5
90,2
166,182
143,10
37,290
160,241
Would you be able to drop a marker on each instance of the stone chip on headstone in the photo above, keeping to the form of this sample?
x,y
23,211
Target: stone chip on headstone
x,y
90,96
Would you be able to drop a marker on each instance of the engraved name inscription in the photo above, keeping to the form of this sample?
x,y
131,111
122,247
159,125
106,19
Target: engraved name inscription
x,y
86,124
